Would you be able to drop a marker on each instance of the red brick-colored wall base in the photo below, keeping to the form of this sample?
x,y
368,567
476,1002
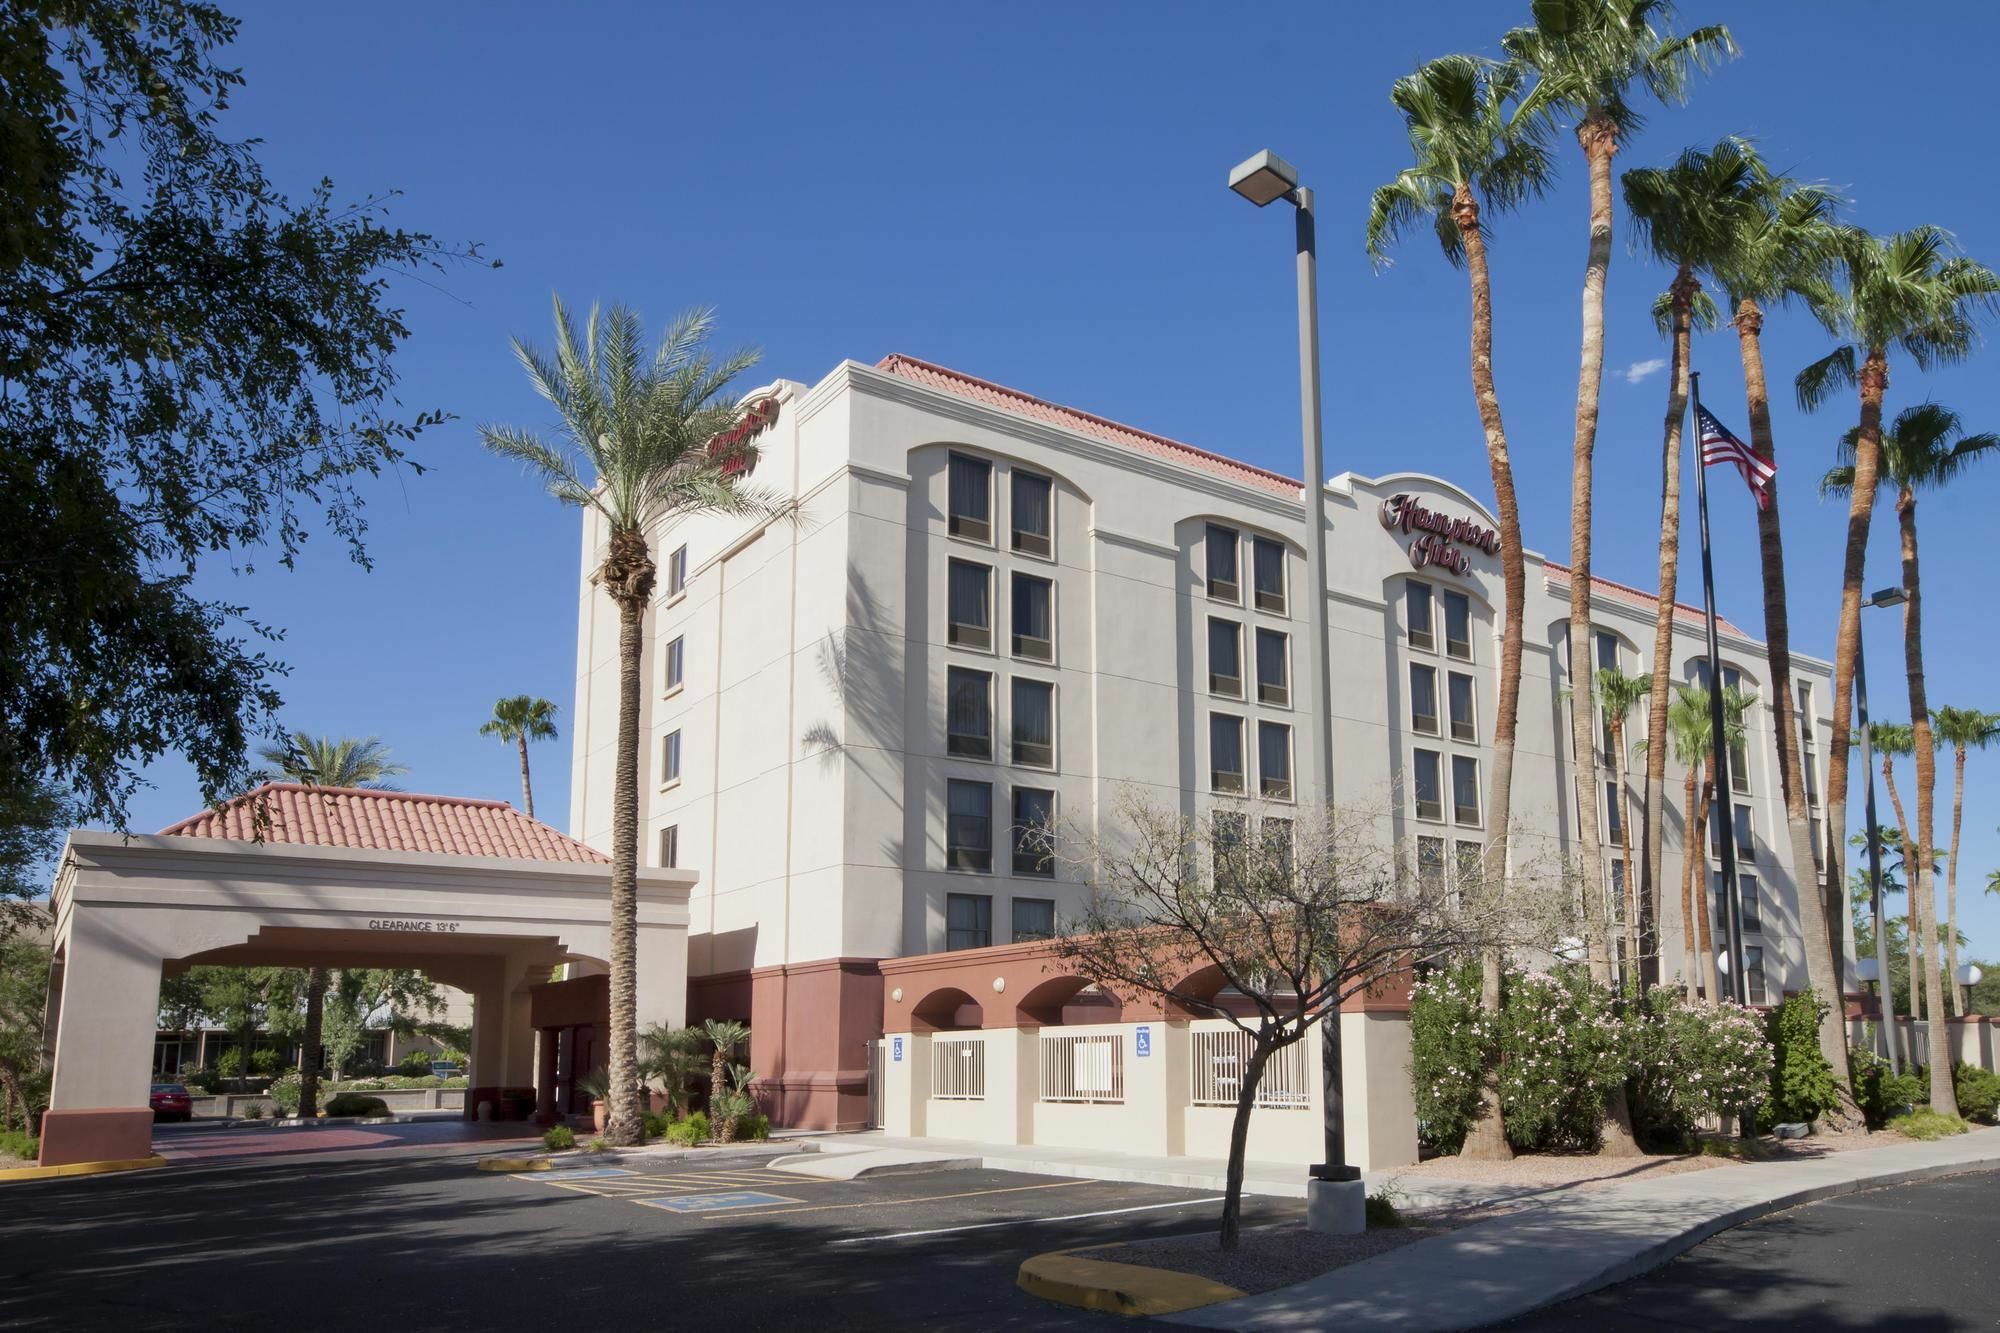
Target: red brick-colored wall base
x,y
816,1101
810,1025
109,1134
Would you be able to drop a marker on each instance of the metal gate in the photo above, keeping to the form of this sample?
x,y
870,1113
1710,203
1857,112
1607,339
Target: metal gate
x,y
875,1084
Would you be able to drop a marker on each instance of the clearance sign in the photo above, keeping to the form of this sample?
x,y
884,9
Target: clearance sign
x,y
1437,537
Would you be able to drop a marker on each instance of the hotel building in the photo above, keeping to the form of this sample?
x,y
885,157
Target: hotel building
x,y
865,725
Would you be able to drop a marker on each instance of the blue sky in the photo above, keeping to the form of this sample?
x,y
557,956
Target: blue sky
x,y
1034,193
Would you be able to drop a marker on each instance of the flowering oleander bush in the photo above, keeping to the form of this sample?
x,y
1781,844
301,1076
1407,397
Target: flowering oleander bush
x,y
1690,1061
1449,1037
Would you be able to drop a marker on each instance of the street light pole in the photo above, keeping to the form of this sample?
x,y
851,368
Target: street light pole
x,y
1262,180
1887,597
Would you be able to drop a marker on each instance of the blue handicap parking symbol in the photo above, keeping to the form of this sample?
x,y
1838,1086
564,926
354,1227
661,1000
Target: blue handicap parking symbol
x,y
1142,1041
896,1049
710,1203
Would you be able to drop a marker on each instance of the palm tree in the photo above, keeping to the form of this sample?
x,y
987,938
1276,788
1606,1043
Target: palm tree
x,y
1890,740
1693,728
518,719
724,1036
1690,215
1924,450
322,761
636,447
1621,694
1478,145
1963,729
1910,292
673,1056
1587,54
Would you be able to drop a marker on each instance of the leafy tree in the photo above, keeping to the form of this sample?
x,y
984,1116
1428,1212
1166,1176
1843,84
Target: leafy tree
x,y
724,1036
1964,730
196,366
1478,143
1691,726
1891,739
517,720
32,820
24,993
637,447
674,1056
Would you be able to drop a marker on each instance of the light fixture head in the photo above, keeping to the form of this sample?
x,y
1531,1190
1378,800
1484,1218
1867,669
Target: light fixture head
x,y
1888,597
1263,178
1867,969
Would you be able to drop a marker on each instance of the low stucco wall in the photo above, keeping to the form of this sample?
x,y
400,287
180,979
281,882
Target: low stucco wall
x,y
224,1106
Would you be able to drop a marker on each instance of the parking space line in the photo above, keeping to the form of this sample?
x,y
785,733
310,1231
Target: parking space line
x,y
928,1198
1025,1221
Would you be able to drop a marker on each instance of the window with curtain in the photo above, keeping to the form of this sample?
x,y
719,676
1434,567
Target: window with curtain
x,y
971,503
1034,528
1274,673
1221,553
1225,753
1464,726
1267,569
969,713
670,758
1427,772
676,656
1430,862
1034,832
1419,620
968,827
971,612
1274,760
1464,789
968,920
1423,699
1034,919
1034,723
1034,618
1753,902
1458,625
1746,840
1225,658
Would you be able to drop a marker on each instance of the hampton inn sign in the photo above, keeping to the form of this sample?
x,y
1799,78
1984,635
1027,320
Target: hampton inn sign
x,y
1438,535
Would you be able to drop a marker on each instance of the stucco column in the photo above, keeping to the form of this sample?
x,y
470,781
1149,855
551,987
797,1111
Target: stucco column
x,y
545,1076
1010,1084
106,1015
1148,1096
662,976
906,1082
1381,1110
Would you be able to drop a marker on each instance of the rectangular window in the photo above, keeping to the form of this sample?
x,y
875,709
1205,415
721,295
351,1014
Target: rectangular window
x,y
1227,831
1280,850
1458,689
968,825
971,510
1222,583
676,655
1418,618
1753,973
1607,650
1423,699
971,612
1034,721
1225,753
1458,625
670,847
670,759
1033,509
1739,754
1034,834
1430,863
1034,919
1464,789
1274,760
968,713
1267,568
968,921
1471,865
1034,618
1753,902
1809,765
1746,841
1614,822
1818,842
1225,658
1274,672
677,571
1429,775
1808,733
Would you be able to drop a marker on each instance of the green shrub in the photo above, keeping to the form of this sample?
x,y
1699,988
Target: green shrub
x,y
1924,1123
657,1124
687,1133
559,1138
417,1064
1690,1061
287,1093
1449,1038
1978,1092
1802,1084
205,1081
13,1143
230,1063
1882,1095
254,1111
263,1062
1381,1211
356,1104
755,1127
596,1145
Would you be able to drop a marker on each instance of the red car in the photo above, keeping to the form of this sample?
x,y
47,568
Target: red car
x,y
171,1102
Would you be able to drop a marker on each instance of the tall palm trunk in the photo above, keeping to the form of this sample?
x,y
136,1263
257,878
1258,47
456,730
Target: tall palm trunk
x,y
1599,139
1688,927
1625,852
1915,1009
1486,1140
316,983
1704,908
627,573
1822,915
1953,1003
527,789
1923,880
1684,288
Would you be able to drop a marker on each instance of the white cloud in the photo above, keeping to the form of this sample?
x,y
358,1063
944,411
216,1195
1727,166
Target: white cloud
x,y
1640,370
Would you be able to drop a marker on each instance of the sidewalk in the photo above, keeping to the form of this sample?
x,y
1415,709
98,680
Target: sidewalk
x,y
1574,1242
1276,1179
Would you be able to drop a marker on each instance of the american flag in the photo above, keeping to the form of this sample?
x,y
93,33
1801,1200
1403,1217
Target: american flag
x,y
1719,446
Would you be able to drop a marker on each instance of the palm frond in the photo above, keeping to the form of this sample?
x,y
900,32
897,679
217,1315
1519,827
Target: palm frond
x,y
1818,381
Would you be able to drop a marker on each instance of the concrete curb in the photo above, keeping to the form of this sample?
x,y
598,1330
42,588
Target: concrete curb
x,y
81,1169
867,1165
1127,1289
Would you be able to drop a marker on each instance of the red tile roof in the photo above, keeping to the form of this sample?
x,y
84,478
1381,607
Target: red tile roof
x,y
384,821
1027,405
1623,593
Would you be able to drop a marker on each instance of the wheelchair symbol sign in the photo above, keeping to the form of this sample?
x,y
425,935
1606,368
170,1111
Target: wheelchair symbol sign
x,y
1142,1042
896,1050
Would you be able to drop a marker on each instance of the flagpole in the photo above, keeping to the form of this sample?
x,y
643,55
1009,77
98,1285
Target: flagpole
x,y
1724,803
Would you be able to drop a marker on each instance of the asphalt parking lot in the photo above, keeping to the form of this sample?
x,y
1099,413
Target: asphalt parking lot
x,y
417,1237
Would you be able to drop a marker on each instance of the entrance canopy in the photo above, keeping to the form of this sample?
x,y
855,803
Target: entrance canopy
x,y
473,893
